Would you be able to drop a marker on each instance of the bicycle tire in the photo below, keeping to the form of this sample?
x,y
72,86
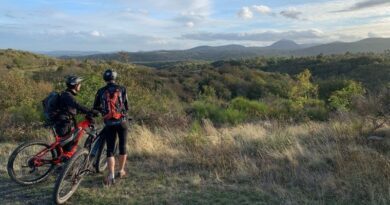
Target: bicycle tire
x,y
82,155
101,158
16,153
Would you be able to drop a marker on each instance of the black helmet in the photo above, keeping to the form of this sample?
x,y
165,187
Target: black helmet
x,y
109,75
73,80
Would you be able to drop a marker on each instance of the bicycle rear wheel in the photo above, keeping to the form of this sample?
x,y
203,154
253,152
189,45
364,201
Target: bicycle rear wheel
x,y
71,176
21,167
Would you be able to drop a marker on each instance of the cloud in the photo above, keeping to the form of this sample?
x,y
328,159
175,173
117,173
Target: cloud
x,y
245,13
96,34
373,35
291,13
262,9
262,36
190,19
365,4
190,24
248,12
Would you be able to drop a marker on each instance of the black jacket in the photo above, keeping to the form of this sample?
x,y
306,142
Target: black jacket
x,y
69,107
99,95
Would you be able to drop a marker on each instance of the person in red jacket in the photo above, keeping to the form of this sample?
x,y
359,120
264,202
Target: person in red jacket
x,y
111,101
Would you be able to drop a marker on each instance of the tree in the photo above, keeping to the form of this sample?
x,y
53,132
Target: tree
x,y
342,99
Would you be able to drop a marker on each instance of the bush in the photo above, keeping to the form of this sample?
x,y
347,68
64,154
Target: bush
x,y
254,109
342,99
217,114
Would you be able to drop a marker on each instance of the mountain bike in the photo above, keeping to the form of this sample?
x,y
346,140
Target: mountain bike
x,y
80,165
32,162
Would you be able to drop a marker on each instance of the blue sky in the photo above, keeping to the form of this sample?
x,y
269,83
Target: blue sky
x,y
113,25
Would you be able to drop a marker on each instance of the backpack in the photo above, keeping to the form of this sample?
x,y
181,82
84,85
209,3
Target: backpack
x,y
112,104
51,107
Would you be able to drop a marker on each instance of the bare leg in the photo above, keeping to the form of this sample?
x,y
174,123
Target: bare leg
x,y
111,166
122,163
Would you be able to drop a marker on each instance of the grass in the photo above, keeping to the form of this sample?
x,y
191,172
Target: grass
x,y
263,163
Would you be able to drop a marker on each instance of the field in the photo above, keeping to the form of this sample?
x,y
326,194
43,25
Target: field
x,y
256,163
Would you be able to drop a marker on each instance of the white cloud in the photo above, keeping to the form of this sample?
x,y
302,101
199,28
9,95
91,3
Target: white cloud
x,y
257,36
245,13
262,9
96,34
190,24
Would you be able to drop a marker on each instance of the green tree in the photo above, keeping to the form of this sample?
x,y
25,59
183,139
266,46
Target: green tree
x,y
342,99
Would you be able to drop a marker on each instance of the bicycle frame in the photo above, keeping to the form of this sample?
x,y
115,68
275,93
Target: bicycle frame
x,y
77,133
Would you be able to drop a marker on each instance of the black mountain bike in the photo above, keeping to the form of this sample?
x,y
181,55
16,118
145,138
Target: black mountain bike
x,y
89,159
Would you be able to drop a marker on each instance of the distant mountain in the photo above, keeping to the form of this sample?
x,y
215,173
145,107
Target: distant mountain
x,y
68,53
285,45
279,48
375,45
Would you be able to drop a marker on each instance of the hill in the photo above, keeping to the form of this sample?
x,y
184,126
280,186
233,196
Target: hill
x,y
11,59
259,130
375,45
213,53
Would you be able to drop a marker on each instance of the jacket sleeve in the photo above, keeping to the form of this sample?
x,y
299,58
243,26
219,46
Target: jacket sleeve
x,y
97,103
81,108
73,104
126,104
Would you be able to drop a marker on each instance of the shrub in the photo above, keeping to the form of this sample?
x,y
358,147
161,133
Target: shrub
x,y
217,114
342,99
249,107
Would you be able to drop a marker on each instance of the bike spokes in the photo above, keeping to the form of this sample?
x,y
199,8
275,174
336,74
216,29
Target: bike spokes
x,y
26,167
72,177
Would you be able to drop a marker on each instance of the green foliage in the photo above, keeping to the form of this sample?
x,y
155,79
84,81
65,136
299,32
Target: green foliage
x,y
24,114
89,87
254,109
342,99
304,88
217,114
226,92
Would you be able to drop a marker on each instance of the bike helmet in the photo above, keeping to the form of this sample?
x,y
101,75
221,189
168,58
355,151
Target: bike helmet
x,y
109,75
73,80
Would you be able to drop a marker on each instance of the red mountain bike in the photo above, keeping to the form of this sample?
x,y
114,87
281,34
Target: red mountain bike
x,y
32,162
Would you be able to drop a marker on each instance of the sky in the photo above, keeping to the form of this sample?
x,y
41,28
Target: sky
x,y
133,25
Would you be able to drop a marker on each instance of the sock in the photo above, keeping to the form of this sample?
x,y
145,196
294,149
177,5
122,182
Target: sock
x,y
111,176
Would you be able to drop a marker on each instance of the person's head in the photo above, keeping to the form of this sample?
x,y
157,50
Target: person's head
x,y
110,75
74,82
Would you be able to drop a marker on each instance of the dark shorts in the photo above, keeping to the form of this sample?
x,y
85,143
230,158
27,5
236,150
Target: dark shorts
x,y
111,132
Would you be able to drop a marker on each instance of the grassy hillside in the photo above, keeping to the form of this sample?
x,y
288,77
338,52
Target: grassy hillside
x,y
14,59
254,131
261,163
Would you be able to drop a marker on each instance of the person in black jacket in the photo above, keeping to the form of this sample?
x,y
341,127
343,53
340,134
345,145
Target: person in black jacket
x,y
111,101
69,107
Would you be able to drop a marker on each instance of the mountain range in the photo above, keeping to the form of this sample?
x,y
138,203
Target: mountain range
x,y
279,48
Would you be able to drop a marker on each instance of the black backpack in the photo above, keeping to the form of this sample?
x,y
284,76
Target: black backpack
x,y
51,107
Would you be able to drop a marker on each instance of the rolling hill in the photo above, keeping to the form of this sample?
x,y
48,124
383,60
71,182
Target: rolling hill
x,y
213,53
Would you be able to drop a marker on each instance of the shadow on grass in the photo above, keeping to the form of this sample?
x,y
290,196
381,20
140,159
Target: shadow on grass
x,y
12,193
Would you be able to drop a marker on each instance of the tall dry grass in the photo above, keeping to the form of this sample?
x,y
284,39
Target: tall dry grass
x,y
313,162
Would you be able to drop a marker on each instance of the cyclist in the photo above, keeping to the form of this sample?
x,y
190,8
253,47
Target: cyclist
x,y
69,107
111,101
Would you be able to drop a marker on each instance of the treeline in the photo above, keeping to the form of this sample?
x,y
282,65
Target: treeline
x,y
226,92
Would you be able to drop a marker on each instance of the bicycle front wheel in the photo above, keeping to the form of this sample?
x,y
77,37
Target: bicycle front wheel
x,y
71,176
